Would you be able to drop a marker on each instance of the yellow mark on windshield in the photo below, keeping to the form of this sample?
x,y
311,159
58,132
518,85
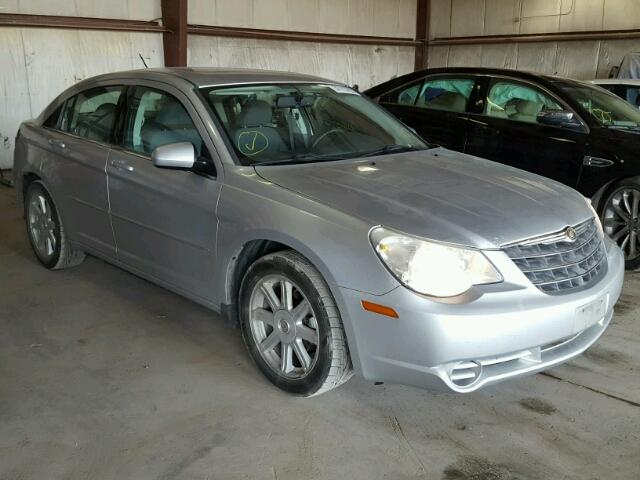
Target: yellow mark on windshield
x,y
252,142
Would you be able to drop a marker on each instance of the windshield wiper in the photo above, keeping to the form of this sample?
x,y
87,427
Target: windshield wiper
x,y
316,157
303,157
394,148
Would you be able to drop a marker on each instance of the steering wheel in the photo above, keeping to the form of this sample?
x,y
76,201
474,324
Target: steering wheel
x,y
325,135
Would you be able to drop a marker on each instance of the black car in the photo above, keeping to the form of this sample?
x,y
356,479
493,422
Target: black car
x,y
570,131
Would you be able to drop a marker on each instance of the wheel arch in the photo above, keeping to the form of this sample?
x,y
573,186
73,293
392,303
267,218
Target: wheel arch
x,y
601,195
248,251
26,179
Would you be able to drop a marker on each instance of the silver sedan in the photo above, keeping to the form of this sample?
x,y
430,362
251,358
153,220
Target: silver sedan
x,y
336,238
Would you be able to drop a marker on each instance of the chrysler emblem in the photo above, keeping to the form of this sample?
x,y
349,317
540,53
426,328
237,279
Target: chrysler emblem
x,y
570,233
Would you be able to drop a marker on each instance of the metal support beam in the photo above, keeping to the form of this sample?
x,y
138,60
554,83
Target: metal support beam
x,y
174,41
78,23
539,37
423,18
297,36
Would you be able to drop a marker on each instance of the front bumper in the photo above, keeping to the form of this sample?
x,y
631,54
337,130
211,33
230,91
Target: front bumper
x,y
507,330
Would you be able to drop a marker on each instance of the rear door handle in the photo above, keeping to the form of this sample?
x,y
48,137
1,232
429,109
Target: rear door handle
x,y
57,143
121,165
473,120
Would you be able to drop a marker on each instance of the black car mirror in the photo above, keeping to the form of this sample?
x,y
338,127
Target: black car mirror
x,y
558,118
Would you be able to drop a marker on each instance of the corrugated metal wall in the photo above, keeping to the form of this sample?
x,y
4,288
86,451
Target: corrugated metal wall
x,y
37,64
582,60
364,65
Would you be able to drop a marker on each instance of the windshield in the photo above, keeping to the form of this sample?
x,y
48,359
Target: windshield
x,y
281,123
608,109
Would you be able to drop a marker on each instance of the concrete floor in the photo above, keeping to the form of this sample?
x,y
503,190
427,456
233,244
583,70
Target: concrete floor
x,y
104,375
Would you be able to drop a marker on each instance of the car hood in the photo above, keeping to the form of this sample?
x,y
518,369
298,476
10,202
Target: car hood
x,y
438,194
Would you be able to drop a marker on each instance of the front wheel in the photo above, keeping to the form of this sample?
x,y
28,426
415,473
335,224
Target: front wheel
x,y
621,220
291,325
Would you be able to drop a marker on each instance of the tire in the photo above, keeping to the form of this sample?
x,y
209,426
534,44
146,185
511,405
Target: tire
x,y
620,217
292,325
54,252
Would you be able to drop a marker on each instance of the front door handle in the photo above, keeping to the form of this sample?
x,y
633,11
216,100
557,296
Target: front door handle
x,y
57,143
590,161
121,165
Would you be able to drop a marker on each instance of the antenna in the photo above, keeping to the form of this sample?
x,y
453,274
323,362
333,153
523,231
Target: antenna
x,y
143,62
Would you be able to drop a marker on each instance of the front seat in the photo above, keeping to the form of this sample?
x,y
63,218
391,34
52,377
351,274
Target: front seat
x,y
257,137
172,124
526,111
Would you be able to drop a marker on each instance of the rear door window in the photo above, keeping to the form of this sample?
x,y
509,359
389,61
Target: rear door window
x,y
92,113
446,93
52,121
518,101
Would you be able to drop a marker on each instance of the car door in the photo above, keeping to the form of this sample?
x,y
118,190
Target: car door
x,y
80,141
508,130
164,220
434,107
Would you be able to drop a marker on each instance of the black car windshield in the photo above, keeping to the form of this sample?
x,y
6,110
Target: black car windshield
x,y
608,109
274,124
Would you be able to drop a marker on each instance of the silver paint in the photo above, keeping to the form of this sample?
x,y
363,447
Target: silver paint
x,y
186,232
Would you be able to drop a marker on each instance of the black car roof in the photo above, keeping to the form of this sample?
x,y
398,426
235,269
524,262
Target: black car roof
x,y
522,74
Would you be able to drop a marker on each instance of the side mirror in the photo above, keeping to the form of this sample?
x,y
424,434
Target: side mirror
x,y
174,155
557,118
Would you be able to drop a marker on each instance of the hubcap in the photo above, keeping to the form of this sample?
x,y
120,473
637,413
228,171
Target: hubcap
x,y
283,326
622,221
42,226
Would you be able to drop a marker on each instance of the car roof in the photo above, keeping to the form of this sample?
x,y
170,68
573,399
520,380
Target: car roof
x,y
616,81
209,76
525,74
518,74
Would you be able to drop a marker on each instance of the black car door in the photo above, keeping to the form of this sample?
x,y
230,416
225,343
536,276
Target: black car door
x,y
433,107
508,128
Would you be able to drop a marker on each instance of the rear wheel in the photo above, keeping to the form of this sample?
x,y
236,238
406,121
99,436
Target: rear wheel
x,y
291,325
621,220
46,232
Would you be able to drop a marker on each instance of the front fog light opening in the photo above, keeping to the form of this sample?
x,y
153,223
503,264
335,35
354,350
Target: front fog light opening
x,y
465,374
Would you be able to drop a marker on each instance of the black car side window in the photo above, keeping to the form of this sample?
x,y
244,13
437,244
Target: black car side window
x,y
405,95
92,113
446,93
518,101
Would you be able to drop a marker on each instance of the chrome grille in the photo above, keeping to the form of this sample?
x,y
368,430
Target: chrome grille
x,y
557,265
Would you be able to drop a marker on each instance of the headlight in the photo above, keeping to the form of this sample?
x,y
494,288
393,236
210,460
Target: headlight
x,y
431,268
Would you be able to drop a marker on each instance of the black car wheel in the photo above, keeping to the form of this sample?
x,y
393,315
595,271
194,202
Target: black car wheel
x,y
621,220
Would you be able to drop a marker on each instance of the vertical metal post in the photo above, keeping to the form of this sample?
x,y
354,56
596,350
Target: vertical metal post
x,y
174,18
423,17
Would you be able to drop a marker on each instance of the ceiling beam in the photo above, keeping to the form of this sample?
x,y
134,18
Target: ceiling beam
x,y
174,40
